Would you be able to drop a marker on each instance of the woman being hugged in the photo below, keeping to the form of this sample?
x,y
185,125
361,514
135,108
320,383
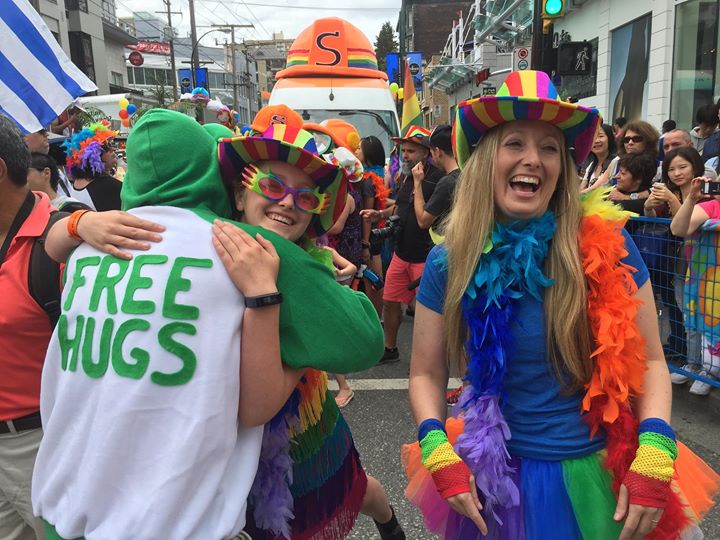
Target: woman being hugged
x,y
533,299
310,483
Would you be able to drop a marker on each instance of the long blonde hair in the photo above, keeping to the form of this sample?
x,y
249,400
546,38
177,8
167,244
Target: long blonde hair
x,y
470,223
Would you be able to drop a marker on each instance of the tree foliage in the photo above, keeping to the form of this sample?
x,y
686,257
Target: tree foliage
x,y
385,42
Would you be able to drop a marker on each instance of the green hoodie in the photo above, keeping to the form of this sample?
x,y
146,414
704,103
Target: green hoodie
x,y
172,161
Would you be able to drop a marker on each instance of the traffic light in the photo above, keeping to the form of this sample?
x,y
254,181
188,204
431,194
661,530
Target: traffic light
x,y
552,9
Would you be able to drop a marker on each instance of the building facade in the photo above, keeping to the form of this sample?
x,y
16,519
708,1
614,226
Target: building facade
x,y
54,14
270,57
654,59
481,41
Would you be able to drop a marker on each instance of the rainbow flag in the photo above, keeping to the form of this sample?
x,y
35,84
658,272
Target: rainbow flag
x,y
411,113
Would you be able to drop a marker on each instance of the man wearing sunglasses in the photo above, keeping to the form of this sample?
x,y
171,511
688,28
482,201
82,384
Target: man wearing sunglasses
x,y
413,242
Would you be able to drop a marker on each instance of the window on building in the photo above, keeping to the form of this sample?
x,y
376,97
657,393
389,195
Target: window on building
x,y
139,75
696,62
150,77
116,78
77,5
131,78
81,53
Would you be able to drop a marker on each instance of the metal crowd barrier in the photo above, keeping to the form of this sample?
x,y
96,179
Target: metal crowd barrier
x,y
685,275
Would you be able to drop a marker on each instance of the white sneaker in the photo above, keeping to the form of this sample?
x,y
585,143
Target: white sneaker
x,y
701,388
681,378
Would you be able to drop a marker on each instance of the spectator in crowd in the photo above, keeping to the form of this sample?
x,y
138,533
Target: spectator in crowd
x,y
667,126
707,124
25,330
618,126
436,209
603,157
375,193
90,162
635,175
413,243
699,293
679,167
712,143
679,138
68,122
638,137
38,141
43,175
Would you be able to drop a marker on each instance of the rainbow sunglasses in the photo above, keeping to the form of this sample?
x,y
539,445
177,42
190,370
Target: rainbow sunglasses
x,y
271,187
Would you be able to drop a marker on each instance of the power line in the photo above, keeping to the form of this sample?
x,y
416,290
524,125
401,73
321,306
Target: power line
x,y
316,8
257,19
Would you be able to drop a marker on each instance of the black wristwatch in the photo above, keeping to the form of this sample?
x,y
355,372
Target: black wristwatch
x,y
264,300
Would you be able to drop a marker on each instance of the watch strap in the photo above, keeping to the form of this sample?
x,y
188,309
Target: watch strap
x,y
263,300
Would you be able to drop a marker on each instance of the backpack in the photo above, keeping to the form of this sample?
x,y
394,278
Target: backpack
x,y
44,274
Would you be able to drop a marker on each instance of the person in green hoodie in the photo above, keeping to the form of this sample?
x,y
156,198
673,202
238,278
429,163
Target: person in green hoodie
x,y
144,379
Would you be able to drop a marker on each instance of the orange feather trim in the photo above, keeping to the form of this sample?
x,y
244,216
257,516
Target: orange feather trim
x,y
619,355
382,192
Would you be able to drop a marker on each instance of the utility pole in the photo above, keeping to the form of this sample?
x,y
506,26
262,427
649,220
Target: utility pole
x,y
194,59
172,45
247,79
232,28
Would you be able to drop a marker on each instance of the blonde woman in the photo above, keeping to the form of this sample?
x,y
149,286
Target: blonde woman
x,y
533,298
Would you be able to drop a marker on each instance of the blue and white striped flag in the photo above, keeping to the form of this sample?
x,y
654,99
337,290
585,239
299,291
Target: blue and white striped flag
x,y
37,80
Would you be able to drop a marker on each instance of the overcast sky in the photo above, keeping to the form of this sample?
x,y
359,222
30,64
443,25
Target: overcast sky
x,y
268,16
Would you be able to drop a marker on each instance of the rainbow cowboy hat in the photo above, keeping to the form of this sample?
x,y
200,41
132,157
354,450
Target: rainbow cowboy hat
x,y
415,134
293,146
525,95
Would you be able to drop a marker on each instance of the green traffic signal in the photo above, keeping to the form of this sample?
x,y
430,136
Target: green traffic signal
x,y
553,7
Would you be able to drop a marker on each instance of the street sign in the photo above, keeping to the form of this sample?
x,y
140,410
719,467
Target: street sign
x,y
521,58
489,91
574,58
136,58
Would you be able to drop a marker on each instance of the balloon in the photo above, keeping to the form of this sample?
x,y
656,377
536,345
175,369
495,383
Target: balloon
x,y
125,122
123,103
123,114
394,87
245,129
400,93
131,108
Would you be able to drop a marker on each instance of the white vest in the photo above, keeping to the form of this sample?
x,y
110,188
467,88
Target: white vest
x,y
140,394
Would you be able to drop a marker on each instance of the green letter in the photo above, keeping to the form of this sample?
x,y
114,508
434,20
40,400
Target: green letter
x,y
92,369
77,279
131,306
67,344
105,281
177,283
121,367
189,361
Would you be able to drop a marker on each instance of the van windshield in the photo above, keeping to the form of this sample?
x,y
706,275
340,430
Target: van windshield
x,y
381,124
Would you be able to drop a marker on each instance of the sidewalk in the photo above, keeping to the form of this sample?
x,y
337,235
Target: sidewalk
x,y
710,402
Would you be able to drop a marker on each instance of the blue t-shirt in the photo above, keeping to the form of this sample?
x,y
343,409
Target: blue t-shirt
x,y
544,423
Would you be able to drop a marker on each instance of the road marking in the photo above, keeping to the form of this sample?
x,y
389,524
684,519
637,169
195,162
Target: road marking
x,y
383,384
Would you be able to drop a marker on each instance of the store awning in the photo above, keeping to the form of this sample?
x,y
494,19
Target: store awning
x,y
503,22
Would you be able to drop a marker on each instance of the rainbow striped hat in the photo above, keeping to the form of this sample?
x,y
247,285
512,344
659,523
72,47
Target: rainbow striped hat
x,y
415,134
525,95
295,147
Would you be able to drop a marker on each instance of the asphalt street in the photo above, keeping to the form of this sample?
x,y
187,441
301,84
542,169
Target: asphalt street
x,y
381,423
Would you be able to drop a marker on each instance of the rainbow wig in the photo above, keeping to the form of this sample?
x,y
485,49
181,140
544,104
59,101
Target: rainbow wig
x,y
84,149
